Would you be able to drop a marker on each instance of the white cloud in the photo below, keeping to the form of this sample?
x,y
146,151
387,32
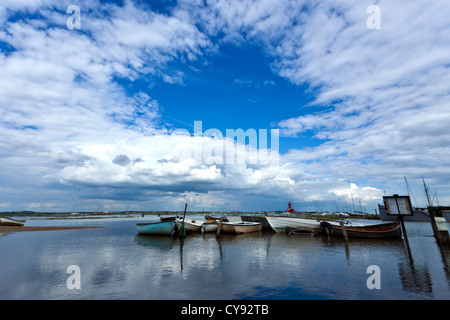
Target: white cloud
x,y
382,101
58,91
352,190
381,95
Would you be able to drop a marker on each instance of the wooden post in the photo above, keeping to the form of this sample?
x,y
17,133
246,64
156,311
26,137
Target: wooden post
x,y
183,229
400,217
219,228
405,235
438,223
344,231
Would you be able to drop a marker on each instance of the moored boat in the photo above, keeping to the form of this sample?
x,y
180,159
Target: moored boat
x,y
156,228
380,230
241,227
11,222
247,227
210,226
228,227
281,223
189,225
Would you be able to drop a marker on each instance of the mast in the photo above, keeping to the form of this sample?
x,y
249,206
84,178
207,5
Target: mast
x,y
426,192
437,199
407,186
353,203
410,193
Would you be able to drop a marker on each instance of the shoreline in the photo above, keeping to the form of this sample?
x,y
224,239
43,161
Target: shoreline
x,y
8,229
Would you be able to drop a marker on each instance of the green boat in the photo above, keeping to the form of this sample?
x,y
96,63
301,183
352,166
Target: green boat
x,y
156,228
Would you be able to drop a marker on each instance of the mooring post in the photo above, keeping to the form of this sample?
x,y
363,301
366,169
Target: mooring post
x,y
344,231
439,224
405,235
219,228
183,228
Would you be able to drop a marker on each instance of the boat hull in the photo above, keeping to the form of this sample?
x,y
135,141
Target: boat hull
x,y
156,228
247,227
375,231
280,224
228,227
190,225
241,227
210,227
11,222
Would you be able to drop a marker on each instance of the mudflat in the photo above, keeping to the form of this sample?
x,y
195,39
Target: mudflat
x,y
6,229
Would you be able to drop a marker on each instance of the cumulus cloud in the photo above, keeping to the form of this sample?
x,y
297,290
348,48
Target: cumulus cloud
x,y
384,88
380,97
121,160
60,91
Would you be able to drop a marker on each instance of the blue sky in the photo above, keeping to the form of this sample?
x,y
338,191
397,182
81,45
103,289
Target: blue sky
x,y
236,89
89,114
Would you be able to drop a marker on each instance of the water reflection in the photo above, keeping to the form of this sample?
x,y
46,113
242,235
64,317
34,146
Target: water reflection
x,y
415,279
155,242
393,245
117,263
181,252
445,255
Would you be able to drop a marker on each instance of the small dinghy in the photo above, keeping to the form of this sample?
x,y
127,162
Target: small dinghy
x,y
156,228
376,231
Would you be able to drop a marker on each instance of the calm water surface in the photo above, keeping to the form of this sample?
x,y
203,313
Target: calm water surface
x,y
117,263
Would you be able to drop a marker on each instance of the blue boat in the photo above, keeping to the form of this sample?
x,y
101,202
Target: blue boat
x,y
156,228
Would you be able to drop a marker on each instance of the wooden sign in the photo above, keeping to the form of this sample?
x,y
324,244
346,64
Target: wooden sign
x,y
398,205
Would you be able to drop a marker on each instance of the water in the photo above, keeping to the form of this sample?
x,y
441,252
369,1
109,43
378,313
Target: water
x,y
117,263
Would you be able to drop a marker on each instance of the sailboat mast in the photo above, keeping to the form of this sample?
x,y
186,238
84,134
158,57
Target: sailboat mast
x,y
426,192
353,203
410,193
407,186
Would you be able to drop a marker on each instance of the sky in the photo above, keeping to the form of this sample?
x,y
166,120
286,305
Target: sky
x,y
137,105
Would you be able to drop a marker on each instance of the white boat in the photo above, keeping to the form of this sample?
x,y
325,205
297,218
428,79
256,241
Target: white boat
x,y
280,223
247,227
189,225
241,227
210,226
228,227
228,224
11,222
